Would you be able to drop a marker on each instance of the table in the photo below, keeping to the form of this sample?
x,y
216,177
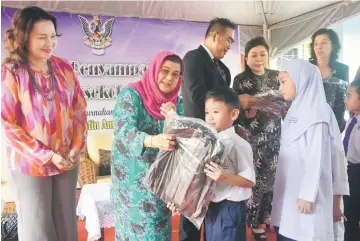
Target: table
x,y
96,207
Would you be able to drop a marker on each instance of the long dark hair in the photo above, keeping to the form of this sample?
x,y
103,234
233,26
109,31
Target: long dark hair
x,y
16,37
335,42
252,43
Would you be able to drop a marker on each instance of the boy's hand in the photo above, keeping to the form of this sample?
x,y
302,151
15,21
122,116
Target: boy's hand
x,y
172,208
214,171
304,207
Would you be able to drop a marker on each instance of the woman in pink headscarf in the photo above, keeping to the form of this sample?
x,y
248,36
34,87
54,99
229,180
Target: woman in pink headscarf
x,y
139,121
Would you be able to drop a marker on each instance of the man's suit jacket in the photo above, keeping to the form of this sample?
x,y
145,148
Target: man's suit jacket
x,y
200,76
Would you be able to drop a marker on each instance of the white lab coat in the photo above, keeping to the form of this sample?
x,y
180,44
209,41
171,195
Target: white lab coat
x,y
305,171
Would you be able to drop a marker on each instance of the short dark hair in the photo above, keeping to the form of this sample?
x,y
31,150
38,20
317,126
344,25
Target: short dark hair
x,y
252,43
16,37
356,84
335,42
176,59
226,95
219,24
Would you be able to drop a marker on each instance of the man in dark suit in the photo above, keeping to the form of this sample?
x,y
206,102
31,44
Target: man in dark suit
x,y
203,72
204,69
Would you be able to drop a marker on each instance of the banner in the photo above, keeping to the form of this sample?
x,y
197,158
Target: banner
x,y
108,53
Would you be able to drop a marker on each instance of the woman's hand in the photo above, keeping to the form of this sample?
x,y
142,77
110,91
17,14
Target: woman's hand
x,y
74,156
251,113
304,207
164,142
245,101
172,208
61,162
166,108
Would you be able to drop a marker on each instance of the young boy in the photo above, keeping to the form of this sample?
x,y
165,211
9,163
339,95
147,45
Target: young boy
x,y
352,151
225,219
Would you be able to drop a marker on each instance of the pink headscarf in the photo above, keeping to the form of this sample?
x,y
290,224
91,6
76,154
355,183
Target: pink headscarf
x,y
148,89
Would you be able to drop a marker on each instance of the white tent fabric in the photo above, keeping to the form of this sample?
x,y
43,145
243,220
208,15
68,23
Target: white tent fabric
x,y
283,23
293,31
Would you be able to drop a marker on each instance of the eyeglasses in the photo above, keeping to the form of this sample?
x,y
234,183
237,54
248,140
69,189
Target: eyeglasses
x,y
166,72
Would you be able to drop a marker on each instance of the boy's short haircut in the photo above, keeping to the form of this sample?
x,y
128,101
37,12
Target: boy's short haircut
x,y
226,95
356,84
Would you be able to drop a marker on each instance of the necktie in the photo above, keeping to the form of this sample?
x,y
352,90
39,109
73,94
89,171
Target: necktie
x,y
217,64
348,133
219,68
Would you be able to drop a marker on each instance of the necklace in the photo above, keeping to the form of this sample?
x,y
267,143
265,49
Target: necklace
x,y
43,73
45,93
330,75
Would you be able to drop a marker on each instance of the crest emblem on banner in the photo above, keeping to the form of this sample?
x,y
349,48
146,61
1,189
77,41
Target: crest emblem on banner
x,y
97,34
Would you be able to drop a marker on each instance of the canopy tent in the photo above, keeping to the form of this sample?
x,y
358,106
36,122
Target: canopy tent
x,y
283,23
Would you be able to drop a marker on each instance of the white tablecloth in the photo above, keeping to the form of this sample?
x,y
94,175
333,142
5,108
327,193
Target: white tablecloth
x,y
96,207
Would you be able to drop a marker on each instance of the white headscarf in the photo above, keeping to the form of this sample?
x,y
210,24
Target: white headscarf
x,y
309,105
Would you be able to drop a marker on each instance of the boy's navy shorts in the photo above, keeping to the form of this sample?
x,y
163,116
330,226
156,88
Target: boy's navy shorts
x,y
226,221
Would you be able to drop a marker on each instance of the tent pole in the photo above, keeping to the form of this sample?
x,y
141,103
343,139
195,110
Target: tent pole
x,y
239,44
266,30
265,24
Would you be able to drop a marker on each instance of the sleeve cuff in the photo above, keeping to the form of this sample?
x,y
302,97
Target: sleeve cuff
x,y
48,158
139,149
341,188
309,196
248,174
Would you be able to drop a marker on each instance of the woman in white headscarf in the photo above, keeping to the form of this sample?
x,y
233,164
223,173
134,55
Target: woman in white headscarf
x,y
309,149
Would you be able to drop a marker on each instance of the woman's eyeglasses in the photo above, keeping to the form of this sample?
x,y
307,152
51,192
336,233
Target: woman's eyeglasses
x,y
166,72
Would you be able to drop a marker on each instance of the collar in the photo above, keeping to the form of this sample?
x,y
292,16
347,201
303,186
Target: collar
x,y
208,51
227,132
358,118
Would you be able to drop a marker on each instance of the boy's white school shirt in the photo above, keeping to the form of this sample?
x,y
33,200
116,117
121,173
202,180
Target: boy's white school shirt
x,y
238,159
341,185
353,155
